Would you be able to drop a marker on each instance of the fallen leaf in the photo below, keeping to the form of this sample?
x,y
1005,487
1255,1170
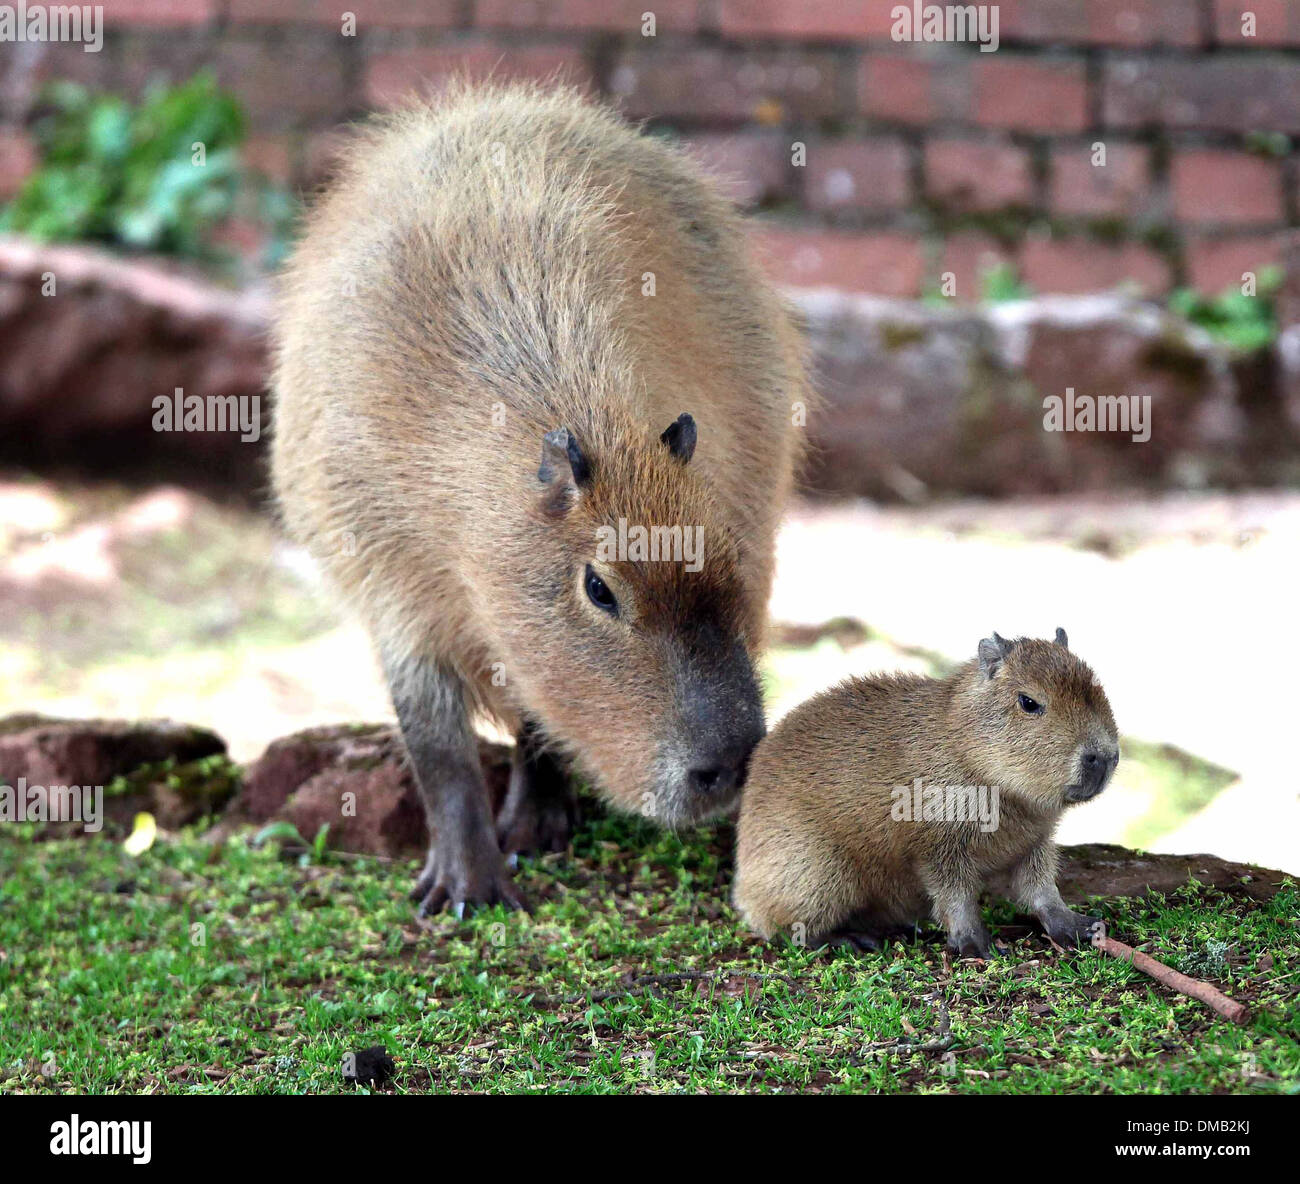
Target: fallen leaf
x,y
142,836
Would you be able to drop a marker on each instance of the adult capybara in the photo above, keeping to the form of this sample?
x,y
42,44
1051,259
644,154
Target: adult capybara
x,y
536,418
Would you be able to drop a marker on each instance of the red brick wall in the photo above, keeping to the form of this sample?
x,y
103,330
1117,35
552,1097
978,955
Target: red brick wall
x,y
919,159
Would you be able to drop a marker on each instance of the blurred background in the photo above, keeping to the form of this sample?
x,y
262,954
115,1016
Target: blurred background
x,y
1106,203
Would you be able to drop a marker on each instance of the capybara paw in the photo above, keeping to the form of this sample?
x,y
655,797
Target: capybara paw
x,y
972,943
855,939
456,881
1073,929
527,824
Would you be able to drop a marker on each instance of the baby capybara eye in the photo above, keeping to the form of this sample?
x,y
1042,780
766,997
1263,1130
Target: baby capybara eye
x,y
599,594
1030,706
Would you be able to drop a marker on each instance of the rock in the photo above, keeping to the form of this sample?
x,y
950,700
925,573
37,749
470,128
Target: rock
x,y
304,778
175,795
49,751
1102,869
922,400
81,363
368,1066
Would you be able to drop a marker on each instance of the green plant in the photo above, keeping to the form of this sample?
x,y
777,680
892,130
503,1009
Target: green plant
x,y
158,176
1001,282
1244,322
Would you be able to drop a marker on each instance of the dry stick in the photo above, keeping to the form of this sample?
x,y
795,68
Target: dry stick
x,y
1230,1009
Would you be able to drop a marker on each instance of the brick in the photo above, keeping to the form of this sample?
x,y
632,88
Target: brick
x,y
1101,22
864,175
1080,265
159,12
27,66
711,83
613,16
370,14
297,80
1236,92
977,175
1213,186
837,20
321,155
17,159
1030,94
969,257
749,167
393,75
884,264
1276,22
915,89
1121,186
146,58
272,156
1214,264
896,88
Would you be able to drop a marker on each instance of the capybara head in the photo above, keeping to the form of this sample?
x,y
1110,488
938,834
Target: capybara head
x,y
634,637
1037,721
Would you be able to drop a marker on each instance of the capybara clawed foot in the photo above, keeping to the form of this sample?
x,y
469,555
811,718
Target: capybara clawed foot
x,y
973,943
539,811
455,878
1072,929
854,939
529,823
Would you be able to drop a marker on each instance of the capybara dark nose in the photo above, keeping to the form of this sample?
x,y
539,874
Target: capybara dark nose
x,y
715,779
723,767
1097,767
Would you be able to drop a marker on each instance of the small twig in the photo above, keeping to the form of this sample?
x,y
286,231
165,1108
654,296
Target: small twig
x,y
1230,1009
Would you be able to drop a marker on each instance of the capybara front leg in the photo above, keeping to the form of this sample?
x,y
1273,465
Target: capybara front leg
x,y
464,865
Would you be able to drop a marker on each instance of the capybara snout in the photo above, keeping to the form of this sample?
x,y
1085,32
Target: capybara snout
x,y
721,722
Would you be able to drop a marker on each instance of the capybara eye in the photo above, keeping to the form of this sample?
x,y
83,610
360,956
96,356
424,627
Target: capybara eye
x,y
1030,706
599,594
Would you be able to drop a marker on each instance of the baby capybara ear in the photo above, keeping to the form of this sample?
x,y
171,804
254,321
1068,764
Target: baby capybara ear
x,y
1061,639
564,470
991,652
680,437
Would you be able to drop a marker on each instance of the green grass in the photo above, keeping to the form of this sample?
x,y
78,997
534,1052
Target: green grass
x,y
200,969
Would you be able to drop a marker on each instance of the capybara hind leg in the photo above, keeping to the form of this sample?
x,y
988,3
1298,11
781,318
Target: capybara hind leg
x,y
861,931
464,866
539,811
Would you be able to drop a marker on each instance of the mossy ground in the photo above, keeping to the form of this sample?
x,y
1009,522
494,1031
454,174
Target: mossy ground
x,y
234,968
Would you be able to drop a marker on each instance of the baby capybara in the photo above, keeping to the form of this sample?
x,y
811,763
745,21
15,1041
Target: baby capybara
x,y
889,798
535,418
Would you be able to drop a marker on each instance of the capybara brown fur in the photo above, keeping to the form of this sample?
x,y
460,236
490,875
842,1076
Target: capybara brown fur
x,y
514,328
889,798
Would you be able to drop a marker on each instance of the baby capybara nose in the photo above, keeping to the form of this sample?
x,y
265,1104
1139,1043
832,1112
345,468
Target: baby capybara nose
x,y
1097,765
1096,768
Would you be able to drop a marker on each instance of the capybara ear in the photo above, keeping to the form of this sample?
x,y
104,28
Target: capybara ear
x,y
680,437
564,469
991,652
1061,639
